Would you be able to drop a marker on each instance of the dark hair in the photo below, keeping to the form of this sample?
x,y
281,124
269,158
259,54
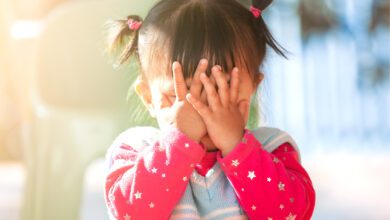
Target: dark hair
x,y
222,31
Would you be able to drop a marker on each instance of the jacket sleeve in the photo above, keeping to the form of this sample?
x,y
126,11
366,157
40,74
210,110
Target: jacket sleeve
x,y
269,185
146,182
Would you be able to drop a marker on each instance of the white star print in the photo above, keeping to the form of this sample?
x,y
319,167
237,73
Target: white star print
x,y
269,179
163,175
281,186
138,195
253,207
281,206
251,175
167,189
185,178
186,145
291,216
154,170
127,217
276,160
151,205
235,174
269,218
235,163
243,189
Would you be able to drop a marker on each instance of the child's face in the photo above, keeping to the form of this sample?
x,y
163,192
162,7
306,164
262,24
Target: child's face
x,y
162,95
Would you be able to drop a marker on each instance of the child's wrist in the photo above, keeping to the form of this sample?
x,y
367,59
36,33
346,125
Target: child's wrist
x,y
229,148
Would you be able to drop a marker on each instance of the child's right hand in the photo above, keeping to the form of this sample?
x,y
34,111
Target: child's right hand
x,y
181,114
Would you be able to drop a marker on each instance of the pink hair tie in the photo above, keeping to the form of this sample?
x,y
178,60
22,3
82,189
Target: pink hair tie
x,y
134,25
255,11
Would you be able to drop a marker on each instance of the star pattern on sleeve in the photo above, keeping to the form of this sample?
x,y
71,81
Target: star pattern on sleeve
x,y
138,195
291,216
281,186
126,217
251,175
235,163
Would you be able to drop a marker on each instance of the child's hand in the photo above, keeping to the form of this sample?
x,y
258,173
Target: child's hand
x,y
181,114
223,118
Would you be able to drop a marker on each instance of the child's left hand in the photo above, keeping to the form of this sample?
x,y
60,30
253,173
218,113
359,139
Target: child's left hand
x,y
223,118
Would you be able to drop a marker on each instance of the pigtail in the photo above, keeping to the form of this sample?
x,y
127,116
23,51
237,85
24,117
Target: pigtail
x,y
261,26
123,37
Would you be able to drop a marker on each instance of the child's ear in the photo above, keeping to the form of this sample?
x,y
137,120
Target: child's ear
x,y
142,89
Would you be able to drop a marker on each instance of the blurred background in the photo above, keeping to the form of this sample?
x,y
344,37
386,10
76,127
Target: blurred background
x,y
62,103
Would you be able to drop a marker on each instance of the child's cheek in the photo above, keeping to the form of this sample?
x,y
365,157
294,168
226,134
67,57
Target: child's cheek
x,y
167,101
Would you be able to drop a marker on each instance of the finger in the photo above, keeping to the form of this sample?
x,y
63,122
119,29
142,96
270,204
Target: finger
x,y
223,87
179,82
199,106
234,85
167,101
196,84
212,80
212,95
203,97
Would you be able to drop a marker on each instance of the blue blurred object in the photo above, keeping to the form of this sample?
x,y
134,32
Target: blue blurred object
x,y
335,86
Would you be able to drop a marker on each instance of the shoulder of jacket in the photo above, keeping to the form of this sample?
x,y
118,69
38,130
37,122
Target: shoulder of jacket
x,y
271,138
137,137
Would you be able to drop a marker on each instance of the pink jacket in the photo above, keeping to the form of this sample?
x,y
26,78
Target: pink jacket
x,y
147,178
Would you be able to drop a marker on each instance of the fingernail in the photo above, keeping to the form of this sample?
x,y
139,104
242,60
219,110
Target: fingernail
x,y
219,67
216,68
188,96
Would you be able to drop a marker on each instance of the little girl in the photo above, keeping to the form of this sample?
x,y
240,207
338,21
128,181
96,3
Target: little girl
x,y
202,162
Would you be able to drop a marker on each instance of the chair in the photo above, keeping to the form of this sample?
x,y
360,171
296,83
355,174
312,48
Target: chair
x,y
78,105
